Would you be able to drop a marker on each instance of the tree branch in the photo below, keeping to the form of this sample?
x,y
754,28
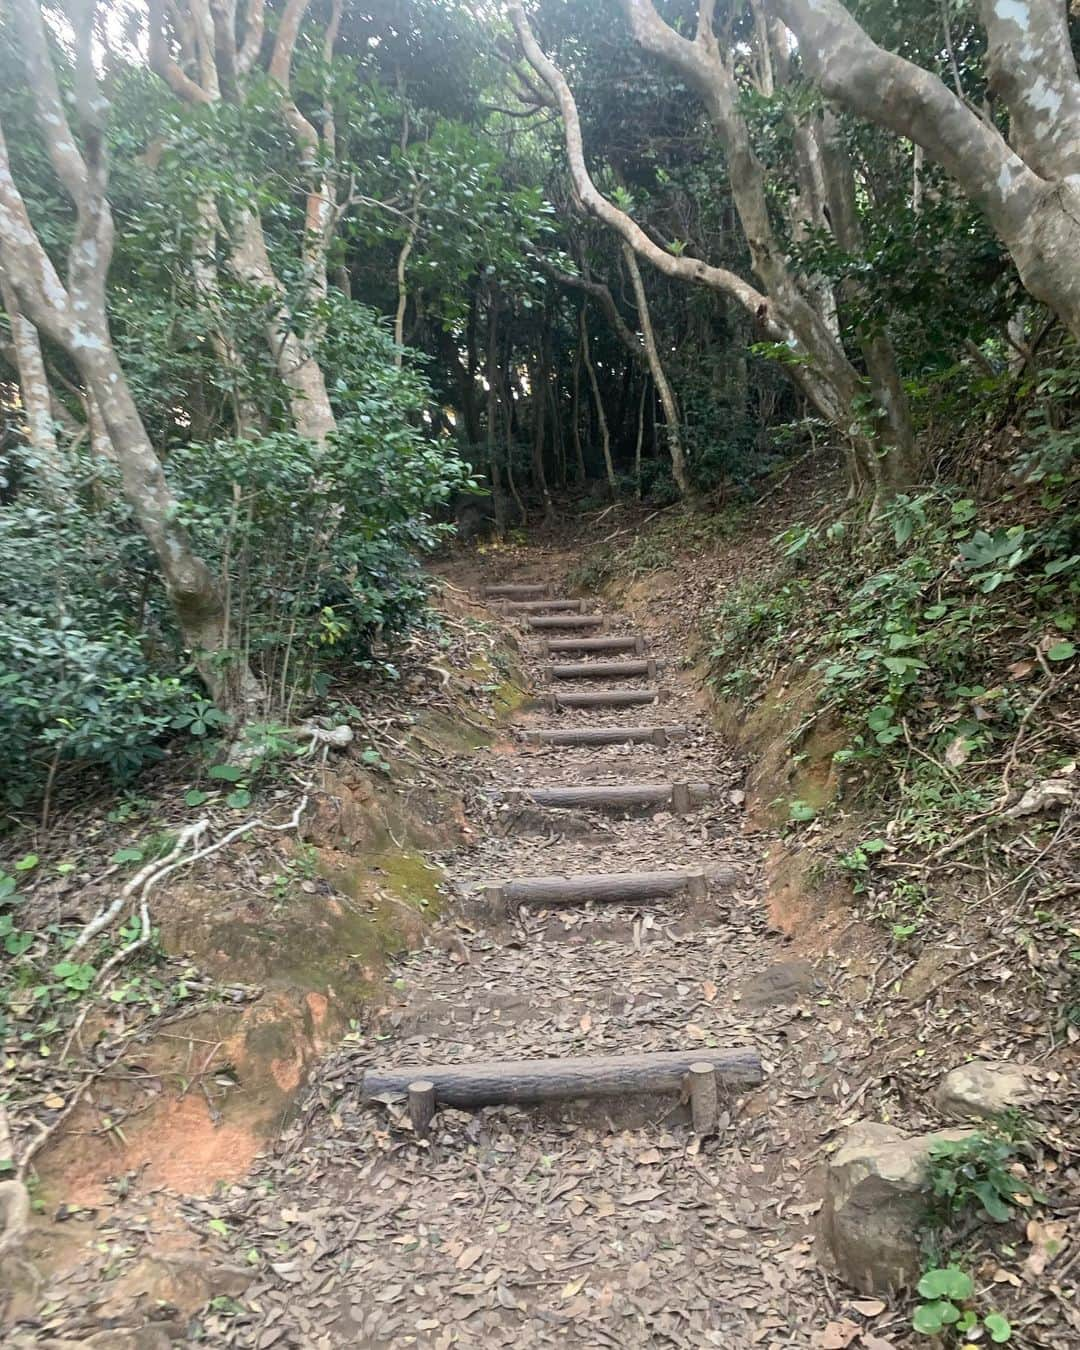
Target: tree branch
x,y
684,269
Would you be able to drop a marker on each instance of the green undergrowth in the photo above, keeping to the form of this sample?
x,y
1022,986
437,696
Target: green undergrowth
x,y
932,638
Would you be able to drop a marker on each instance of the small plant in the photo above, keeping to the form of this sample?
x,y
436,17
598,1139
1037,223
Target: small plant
x,y
981,1172
946,1291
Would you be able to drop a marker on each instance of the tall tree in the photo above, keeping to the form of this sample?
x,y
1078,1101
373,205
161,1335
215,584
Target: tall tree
x,y
1026,181
72,312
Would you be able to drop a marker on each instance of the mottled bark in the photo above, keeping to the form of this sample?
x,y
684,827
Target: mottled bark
x,y
72,312
1028,186
46,457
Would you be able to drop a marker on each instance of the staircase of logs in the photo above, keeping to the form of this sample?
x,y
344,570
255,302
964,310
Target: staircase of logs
x,y
699,1076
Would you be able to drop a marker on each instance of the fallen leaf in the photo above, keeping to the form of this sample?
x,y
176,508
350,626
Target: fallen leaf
x,y
868,1307
573,1288
53,1102
469,1258
709,990
1047,1240
639,1275
835,1335
586,1023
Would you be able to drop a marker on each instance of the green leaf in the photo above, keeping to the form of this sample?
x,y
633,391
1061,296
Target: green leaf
x,y
928,1319
800,810
999,1328
990,1199
194,797
241,797
946,1282
1060,651
229,773
219,1226
7,885
935,612
126,855
27,863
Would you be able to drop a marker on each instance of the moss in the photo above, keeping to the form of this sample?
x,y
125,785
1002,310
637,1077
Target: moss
x,y
439,732
508,698
412,878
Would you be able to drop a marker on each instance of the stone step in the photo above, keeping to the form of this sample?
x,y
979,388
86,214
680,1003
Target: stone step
x,y
516,590
540,623
678,797
602,670
604,698
572,646
660,735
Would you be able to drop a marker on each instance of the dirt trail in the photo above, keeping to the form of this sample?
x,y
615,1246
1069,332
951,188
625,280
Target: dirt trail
x,y
607,1225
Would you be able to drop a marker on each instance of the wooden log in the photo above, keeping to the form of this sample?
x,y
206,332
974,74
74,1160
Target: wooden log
x,y
701,1079
539,606
600,887
542,622
614,796
601,670
604,735
487,1083
421,1106
516,590
569,646
604,698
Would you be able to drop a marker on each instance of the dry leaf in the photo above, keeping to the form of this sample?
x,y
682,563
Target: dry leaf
x,y
573,1288
1047,1240
586,1023
54,1103
709,990
957,752
835,1335
639,1275
868,1307
649,1158
469,1258
872,1342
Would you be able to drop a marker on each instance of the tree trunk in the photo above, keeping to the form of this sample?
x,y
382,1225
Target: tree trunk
x,y
667,398
204,273
46,459
1030,193
309,402
605,435
494,465
575,416
191,586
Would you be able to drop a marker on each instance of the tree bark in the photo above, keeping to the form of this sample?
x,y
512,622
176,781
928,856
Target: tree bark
x,y
73,314
601,418
1030,193
46,458
660,379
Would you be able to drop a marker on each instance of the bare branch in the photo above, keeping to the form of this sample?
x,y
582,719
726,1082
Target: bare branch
x,y
685,269
162,63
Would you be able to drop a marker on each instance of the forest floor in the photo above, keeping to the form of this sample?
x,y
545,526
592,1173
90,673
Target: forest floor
x,y
608,1226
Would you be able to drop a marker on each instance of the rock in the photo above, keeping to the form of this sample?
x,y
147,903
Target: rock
x,y
165,1287
785,982
875,1200
983,1088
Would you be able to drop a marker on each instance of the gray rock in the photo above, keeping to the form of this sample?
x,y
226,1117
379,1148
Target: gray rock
x,y
875,1201
784,982
984,1088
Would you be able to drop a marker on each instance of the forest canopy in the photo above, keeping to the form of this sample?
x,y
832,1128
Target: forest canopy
x,y
293,290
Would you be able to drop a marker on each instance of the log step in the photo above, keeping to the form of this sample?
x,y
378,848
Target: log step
x,y
516,591
602,670
542,622
540,606
612,886
604,698
573,646
680,797
524,1081
604,735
